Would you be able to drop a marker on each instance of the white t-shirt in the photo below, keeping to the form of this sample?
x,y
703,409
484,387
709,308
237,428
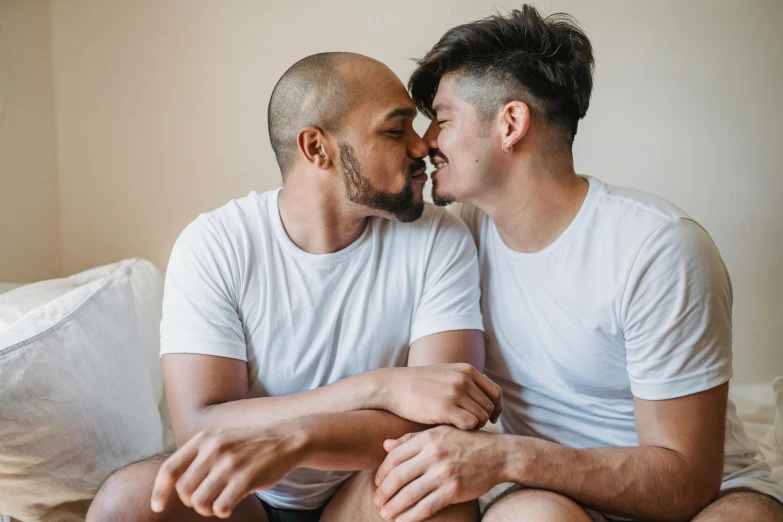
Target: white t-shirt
x,y
632,299
238,287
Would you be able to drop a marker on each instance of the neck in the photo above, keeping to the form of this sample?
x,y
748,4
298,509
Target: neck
x,y
315,215
537,201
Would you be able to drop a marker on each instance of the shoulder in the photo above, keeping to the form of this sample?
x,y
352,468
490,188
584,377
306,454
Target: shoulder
x,y
233,222
222,235
634,222
241,214
633,206
655,222
680,241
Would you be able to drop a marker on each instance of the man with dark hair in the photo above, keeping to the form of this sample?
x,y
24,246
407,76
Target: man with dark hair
x,y
607,311
289,318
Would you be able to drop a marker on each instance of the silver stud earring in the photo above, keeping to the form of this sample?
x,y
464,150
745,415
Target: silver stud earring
x,y
503,148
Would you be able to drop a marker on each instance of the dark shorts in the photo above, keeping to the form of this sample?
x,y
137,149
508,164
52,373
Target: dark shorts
x,y
292,515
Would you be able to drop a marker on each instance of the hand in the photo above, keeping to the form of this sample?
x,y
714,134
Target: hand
x,y
214,471
455,394
425,472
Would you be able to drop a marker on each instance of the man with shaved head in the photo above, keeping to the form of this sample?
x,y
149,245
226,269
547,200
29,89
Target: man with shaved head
x,y
303,326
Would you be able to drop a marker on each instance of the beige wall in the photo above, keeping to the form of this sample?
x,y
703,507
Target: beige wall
x,y
161,115
30,247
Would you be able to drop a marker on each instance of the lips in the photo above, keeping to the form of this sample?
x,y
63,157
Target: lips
x,y
439,162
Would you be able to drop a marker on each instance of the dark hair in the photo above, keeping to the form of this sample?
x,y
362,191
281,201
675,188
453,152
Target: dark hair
x,y
544,62
312,92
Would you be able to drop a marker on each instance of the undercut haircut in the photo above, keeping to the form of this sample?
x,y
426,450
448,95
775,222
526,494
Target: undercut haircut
x,y
546,63
312,92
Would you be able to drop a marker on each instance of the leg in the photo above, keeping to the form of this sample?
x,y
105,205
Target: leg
x,y
125,497
354,502
535,505
742,505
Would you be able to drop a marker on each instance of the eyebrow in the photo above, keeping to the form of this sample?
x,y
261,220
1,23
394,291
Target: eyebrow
x,y
443,107
406,113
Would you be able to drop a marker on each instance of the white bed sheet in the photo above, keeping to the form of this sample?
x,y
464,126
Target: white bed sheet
x,y
755,407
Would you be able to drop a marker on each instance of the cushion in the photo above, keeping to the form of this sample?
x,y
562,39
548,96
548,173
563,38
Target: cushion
x,y
77,400
147,282
16,302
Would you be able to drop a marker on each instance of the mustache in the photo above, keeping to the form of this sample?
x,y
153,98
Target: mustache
x,y
418,164
436,153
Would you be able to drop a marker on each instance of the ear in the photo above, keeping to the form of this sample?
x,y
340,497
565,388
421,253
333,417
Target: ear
x,y
515,120
312,144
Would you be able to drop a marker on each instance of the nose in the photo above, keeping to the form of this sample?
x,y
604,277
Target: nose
x,y
418,147
431,135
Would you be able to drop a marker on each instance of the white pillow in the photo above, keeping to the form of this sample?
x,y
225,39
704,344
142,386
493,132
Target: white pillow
x,y
16,302
77,401
147,283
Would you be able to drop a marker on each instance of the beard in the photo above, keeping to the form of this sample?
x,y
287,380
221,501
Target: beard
x,y
359,189
439,197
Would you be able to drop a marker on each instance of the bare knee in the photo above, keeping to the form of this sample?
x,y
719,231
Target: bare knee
x,y
125,495
742,505
530,505
354,501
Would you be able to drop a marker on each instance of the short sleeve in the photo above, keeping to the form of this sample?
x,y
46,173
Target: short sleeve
x,y
199,301
451,294
676,314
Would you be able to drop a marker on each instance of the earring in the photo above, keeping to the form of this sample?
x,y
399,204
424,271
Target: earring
x,y
503,148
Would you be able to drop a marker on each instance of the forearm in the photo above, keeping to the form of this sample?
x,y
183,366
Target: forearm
x,y
349,441
358,392
641,482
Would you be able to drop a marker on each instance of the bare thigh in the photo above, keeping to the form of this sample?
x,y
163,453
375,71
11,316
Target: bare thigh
x,y
125,497
354,501
536,505
742,505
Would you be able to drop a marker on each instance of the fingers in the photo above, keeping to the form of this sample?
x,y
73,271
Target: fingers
x,y
429,505
480,398
400,454
206,493
192,477
461,416
477,416
491,390
405,498
236,489
397,478
168,475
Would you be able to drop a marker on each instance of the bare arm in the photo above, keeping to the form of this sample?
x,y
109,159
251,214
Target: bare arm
x,y
206,392
352,441
672,475
259,456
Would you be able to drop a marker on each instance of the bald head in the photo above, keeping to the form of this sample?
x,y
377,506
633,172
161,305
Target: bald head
x,y
318,91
